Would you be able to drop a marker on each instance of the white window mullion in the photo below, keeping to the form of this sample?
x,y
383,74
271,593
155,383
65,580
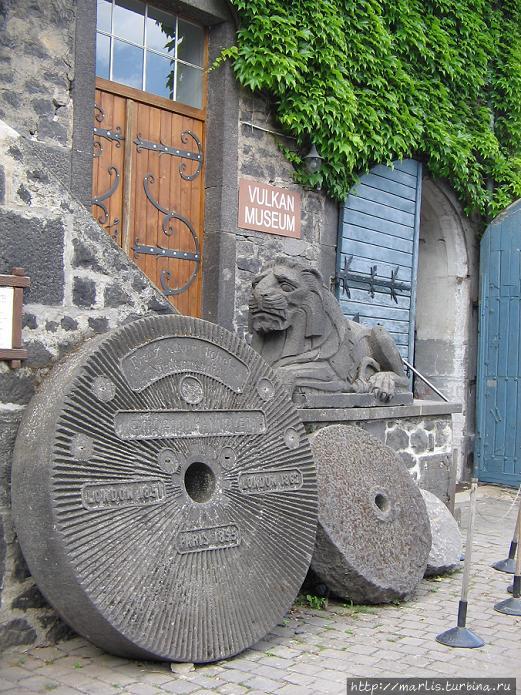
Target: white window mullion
x,y
111,46
174,85
143,80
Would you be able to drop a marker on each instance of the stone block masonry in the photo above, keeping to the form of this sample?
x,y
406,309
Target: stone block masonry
x,y
81,284
37,56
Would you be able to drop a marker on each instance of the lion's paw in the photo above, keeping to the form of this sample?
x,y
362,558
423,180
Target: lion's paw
x,y
383,385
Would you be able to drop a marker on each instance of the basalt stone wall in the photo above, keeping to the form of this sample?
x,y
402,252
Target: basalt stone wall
x,y
260,159
35,98
37,41
425,446
81,284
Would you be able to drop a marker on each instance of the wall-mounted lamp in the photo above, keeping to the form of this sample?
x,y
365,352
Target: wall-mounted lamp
x,y
313,160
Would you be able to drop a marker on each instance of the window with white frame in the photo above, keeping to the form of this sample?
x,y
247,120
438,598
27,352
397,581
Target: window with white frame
x,y
149,49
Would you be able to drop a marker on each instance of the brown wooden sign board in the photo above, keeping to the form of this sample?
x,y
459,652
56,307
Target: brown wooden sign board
x,y
269,209
11,302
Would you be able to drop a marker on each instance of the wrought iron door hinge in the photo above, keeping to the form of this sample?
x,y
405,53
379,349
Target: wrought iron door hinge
x,y
113,134
166,253
160,147
347,279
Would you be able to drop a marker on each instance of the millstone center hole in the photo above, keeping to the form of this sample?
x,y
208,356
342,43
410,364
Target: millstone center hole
x,y
199,481
382,502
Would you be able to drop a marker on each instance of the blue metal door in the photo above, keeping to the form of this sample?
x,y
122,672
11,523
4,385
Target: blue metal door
x,y
377,250
498,447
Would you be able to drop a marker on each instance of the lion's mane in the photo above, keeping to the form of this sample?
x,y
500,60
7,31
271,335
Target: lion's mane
x,y
318,331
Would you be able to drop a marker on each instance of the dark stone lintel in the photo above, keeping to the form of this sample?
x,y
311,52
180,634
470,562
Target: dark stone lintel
x,y
348,400
417,409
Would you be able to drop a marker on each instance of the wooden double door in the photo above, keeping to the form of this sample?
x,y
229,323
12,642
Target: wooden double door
x,y
148,187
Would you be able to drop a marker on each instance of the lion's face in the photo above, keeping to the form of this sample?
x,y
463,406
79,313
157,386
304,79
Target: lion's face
x,y
277,294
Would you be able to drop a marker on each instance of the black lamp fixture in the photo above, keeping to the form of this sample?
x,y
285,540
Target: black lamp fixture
x,y
313,161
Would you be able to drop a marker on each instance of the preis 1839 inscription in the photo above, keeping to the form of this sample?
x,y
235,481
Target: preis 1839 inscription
x,y
208,539
174,476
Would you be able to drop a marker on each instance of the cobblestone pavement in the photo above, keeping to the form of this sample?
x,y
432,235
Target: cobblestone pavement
x,y
313,651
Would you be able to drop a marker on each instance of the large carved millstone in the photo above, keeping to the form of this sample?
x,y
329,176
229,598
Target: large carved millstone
x,y
373,536
164,492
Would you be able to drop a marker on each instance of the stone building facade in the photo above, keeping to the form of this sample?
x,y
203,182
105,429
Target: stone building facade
x,y
83,284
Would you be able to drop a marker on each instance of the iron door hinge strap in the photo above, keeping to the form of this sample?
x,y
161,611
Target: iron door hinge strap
x,y
171,216
347,279
166,253
99,201
160,147
112,134
165,149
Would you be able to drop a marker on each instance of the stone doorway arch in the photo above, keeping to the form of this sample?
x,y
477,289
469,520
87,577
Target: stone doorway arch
x,y
446,311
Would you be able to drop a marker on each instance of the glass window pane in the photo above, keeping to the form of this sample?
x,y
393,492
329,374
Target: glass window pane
x,y
160,75
160,31
127,67
104,11
190,43
128,21
102,56
189,85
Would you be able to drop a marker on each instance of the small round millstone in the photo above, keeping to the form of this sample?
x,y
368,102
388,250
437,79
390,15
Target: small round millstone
x,y
158,503
373,536
446,537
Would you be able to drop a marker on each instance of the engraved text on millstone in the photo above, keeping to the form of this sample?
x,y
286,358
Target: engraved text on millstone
x,y
128,493
259,482
160,424
164,356
197,540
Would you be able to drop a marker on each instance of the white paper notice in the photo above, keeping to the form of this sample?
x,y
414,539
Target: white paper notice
x,y
6,317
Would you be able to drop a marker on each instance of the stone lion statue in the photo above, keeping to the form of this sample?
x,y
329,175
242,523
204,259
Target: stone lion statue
x,y
299,328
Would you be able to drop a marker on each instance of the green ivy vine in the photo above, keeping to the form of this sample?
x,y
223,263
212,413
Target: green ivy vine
x,y
371,81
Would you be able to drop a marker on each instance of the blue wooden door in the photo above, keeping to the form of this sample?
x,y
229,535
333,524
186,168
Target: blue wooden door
x,y
498,447
377,250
